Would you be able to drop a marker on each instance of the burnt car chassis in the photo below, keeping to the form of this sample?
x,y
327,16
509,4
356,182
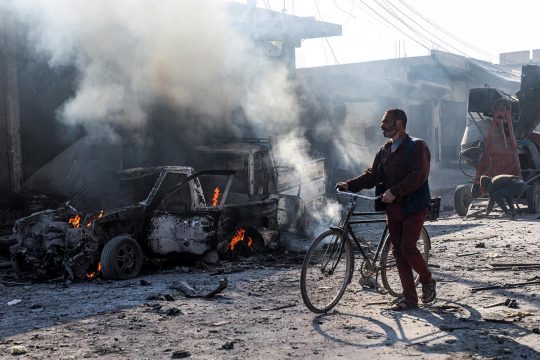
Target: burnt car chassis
x,y
85,236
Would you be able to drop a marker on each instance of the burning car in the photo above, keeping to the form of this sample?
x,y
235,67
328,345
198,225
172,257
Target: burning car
x,y
121,221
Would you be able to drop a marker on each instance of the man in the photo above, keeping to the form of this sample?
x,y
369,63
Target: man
x,y
401,170
500,188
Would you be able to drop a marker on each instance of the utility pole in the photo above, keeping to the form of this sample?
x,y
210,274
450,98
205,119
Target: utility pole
x,y
10,125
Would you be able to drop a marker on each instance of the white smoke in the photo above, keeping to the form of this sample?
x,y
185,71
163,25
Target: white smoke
x,y
131,54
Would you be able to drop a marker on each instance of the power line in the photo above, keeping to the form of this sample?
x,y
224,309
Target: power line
x,y
447,33
326,38
394,26
420,26
351,15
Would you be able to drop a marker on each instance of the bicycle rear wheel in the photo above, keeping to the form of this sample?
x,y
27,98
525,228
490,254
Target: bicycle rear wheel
x,y
389,272
326,271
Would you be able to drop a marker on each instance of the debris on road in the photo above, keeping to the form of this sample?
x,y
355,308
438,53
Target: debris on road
x,y
190,292
505,286
14,302
18,350
506,302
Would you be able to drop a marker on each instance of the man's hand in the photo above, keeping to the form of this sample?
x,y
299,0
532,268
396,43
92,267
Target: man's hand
x,y
388,197
342,186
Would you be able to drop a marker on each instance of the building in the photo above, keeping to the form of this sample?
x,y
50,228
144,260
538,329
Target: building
x,y
433,90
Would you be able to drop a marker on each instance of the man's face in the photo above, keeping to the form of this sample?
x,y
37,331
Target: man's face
x,y
388,126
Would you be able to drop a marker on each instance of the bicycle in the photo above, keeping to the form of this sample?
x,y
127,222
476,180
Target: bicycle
x,y
328,266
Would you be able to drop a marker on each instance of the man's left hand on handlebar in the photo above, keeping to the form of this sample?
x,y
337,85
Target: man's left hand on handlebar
x,y
388,197
342,186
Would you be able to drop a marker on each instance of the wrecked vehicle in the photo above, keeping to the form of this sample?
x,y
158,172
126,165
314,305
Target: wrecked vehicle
x,y
116,225
267,199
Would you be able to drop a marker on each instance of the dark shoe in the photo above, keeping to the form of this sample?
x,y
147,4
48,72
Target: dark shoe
x,y
403,305
429,292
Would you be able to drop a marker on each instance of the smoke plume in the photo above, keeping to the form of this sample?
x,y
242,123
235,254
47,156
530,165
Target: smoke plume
x,y
132,56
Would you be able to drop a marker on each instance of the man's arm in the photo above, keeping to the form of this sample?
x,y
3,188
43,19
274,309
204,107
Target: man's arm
x,y
418,173
365,181
490,205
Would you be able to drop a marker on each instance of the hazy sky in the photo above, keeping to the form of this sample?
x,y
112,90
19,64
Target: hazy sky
x,y
487,27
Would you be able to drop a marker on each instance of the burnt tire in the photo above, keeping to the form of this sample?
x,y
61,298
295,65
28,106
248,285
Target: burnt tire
x,y
121,258
533,199
462,199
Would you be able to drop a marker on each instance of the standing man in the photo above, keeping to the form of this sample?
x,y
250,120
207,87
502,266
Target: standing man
x,y
500,188
400,173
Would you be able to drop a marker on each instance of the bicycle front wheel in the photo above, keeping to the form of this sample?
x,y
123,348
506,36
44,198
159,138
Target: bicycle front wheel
x,y
326,271
389,272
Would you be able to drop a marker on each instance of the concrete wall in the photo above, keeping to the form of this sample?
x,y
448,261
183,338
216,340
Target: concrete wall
x,y
10,137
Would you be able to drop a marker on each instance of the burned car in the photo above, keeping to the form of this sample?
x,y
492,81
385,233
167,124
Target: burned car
x,y
287,197
121,221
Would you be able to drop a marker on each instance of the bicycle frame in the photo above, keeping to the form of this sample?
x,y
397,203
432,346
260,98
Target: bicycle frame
x,y
349,219
373,263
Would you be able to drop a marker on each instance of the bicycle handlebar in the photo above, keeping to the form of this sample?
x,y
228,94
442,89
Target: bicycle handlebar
x,y
358,195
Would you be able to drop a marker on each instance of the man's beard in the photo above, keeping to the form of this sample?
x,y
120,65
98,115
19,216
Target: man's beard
x,y
390,132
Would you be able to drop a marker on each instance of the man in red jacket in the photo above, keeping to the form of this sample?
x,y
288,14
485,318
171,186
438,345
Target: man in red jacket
x,y
400,173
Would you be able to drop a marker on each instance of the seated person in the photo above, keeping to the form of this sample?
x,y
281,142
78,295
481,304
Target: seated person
x,y
501,188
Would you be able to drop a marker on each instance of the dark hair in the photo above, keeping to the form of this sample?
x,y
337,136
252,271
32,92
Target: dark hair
x,y
485,181
397,114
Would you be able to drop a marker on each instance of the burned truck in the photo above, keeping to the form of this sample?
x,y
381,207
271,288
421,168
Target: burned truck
x,y
266,199
117,224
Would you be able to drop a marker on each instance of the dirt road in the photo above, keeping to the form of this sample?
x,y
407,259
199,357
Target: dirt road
x,y
260,315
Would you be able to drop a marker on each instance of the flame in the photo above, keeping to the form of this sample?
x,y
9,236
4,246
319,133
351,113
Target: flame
x,y
239,236
75,221
98,217
91,275
215,197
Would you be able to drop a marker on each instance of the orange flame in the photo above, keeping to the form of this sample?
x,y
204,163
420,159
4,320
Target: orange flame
x,y
239,236
91,275
98,217
215,197
75,221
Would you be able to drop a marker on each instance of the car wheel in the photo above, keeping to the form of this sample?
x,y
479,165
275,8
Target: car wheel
x,y
121,258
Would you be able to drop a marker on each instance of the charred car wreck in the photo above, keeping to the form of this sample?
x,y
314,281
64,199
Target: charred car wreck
x,y
117,224
289,197
143,214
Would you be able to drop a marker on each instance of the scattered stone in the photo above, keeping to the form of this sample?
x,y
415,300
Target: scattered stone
x,y
14,302
161,297
18,350
536,330
229,345
36,306
480,245
145,282
173,311
220,323
180,354
507,351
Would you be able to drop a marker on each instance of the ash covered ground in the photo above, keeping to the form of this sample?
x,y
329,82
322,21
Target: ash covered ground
x,y
261,315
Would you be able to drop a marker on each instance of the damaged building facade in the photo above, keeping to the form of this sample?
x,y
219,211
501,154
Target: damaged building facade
x,y
433,90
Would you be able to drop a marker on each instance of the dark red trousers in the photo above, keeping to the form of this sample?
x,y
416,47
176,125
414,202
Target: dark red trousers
x,y
404,233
